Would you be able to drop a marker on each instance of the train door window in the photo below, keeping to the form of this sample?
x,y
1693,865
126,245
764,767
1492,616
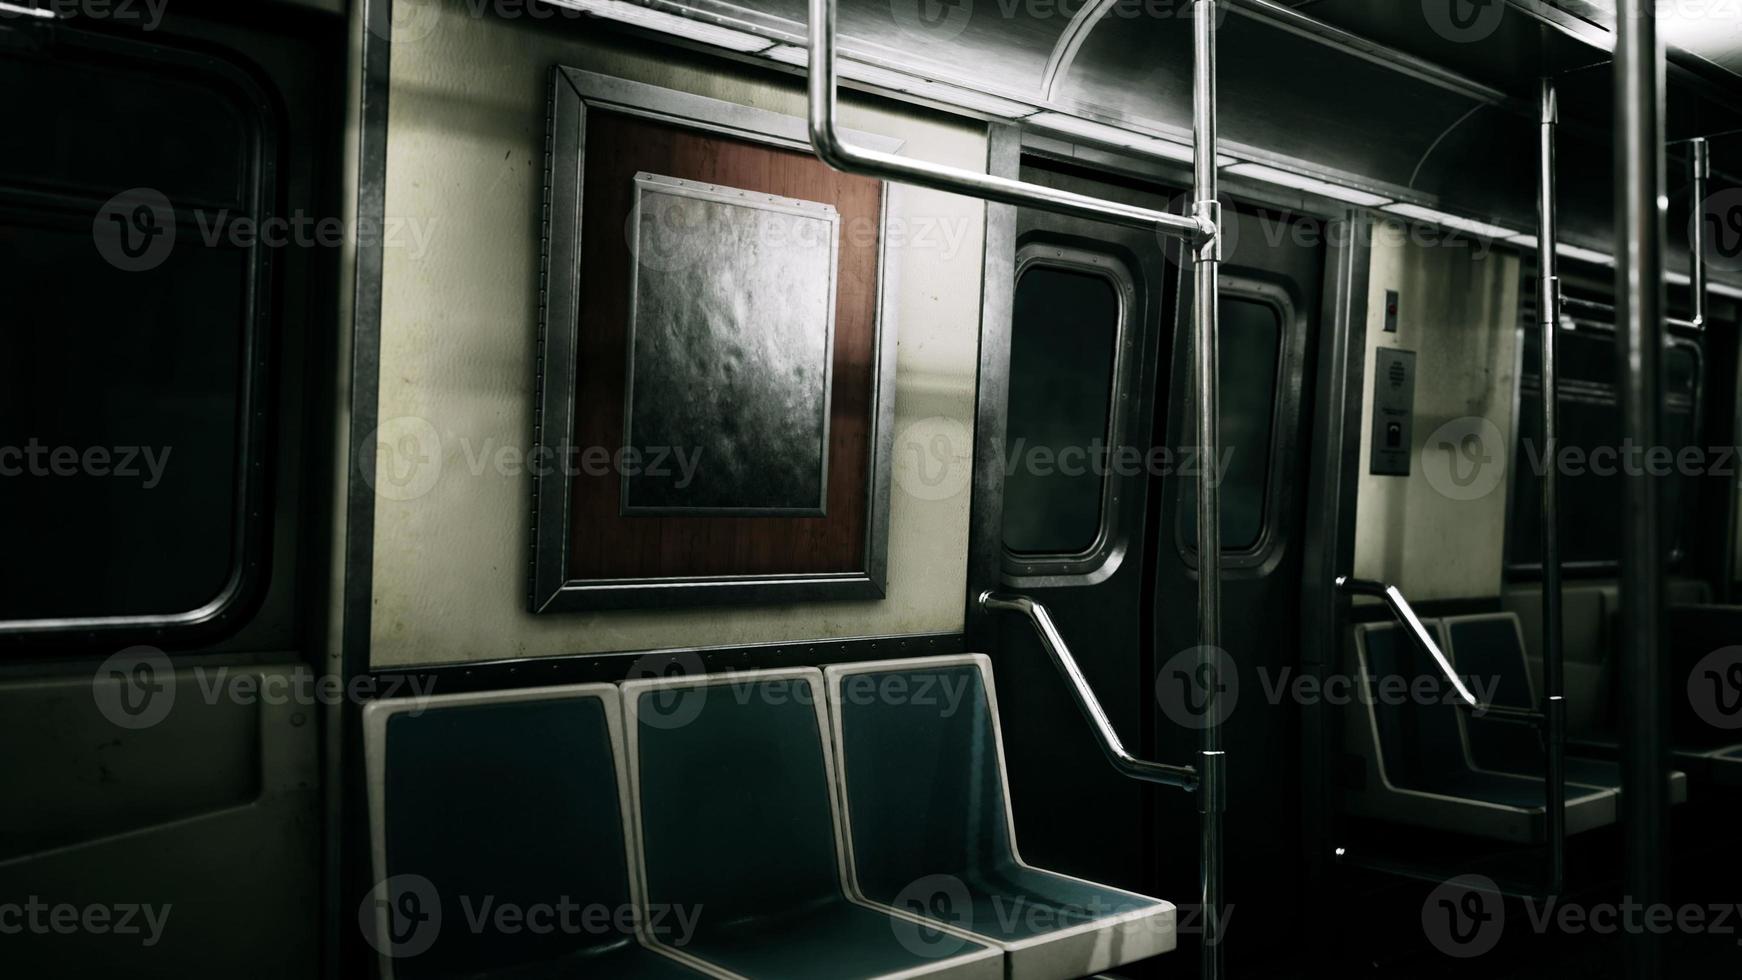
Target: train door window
x,y
1590,452
132,352
1068,358
1248,365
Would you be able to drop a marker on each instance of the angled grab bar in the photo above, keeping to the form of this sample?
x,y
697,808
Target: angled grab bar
x,y
1406,617
833,150
1183,777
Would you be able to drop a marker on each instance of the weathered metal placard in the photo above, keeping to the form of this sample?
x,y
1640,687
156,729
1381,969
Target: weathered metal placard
x,y
730,351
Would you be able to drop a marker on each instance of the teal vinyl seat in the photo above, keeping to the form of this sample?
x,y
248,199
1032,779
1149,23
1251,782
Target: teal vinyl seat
x,y
735,814
1490,645
1417,767
492,813
921,772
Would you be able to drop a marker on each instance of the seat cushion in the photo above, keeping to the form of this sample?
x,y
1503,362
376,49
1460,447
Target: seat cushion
x,y
922,773
735,807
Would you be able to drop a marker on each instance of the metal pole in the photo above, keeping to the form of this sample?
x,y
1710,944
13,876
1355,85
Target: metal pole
x,y
1699,274
1207,209
1701,148
1639,74
1549,307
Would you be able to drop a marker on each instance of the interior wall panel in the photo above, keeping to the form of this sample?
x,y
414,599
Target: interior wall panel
x,y
1439,533
460,327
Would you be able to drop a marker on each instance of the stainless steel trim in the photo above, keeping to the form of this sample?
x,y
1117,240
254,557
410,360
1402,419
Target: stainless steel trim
x,y
1182,777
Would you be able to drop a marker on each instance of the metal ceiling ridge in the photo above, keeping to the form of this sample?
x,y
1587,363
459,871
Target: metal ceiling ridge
x,y
1305,25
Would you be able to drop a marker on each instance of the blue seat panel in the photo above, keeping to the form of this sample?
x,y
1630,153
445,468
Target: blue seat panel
x,y
737,820
512,802
922,774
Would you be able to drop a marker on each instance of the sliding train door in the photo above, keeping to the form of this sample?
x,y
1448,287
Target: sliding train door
x,y
1090,335
1097,525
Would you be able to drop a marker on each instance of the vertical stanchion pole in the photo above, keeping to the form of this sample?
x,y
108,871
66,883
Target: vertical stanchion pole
x,y
1699,274
1639,75
1549,314
1207,208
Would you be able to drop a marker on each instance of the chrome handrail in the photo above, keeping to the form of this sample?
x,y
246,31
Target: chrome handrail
x,y
828,145
1406,617
1183,777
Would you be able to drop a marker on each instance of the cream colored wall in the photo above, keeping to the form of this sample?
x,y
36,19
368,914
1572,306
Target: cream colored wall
x,y
1425,533
459,329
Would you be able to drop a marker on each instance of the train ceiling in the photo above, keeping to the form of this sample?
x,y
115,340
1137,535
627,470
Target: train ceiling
x,y
1399,100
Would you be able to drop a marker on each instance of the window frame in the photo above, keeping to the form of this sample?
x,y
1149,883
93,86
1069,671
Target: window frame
x,y
1266,549
252,519
1102,556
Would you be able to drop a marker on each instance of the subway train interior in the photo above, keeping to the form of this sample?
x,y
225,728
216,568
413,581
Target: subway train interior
x,y
787,489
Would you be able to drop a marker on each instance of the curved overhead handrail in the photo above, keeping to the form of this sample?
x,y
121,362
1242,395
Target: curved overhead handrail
x,y
838,153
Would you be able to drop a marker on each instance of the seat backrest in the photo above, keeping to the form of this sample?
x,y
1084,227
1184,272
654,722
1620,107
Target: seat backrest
x,y
492,801
732,785
1490,648
1416,740
922,764
1586,645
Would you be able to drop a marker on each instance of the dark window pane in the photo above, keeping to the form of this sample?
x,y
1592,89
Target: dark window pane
x,y
1064,336
1590,421
124,399
1250,341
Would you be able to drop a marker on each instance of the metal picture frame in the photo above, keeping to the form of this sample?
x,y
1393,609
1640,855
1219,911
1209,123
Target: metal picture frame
x,y
576,93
